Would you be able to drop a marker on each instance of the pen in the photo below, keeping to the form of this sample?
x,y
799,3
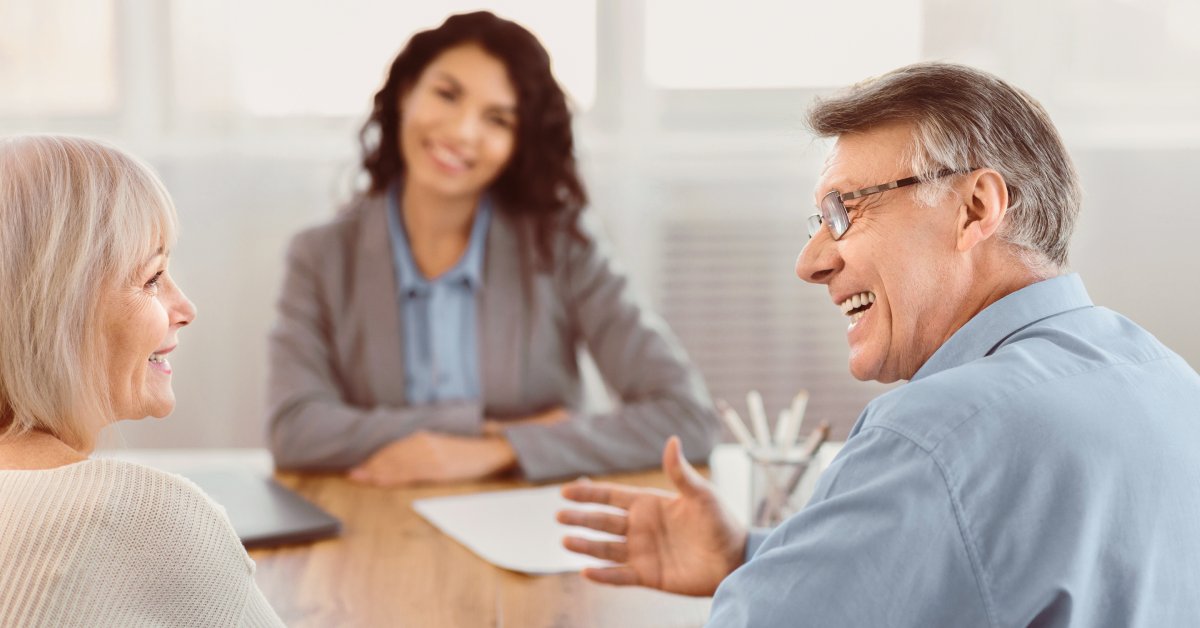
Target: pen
x,y
735,425
799,405
811,446
782,427
758,418
778,496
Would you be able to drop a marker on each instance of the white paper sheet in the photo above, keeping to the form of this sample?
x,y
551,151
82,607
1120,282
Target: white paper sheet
x,y
515,529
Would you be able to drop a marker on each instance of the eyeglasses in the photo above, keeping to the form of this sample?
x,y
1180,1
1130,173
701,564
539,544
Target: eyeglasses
x,y
833,206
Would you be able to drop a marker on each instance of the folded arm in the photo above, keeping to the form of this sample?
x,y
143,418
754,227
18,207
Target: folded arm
x,y
659,392
311,424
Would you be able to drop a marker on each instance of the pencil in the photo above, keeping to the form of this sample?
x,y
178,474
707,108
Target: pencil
x,y
735,425
812,445
799,404
758,418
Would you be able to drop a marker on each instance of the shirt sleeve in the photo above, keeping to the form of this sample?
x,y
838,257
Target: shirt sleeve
x,y
754,540
311,427
659,392
880,544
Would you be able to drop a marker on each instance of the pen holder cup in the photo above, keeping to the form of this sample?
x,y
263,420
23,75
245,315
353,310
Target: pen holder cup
x,y
774,477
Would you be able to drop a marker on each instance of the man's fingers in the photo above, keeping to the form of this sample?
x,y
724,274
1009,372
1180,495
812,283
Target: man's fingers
x,y
599,493
683,475
616,551
623,575
602,521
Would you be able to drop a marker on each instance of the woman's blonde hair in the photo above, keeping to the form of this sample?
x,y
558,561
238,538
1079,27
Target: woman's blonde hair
x,y
78,218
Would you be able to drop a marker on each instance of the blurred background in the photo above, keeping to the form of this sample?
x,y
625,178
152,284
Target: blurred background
x,y
690,132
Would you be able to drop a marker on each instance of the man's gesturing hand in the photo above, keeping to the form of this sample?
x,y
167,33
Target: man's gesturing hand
x,y
681,543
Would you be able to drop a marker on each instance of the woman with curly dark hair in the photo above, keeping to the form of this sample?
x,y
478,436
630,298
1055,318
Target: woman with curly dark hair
x,y
430,333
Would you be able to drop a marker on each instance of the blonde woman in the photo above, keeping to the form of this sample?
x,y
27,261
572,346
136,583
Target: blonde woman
x,y
89,316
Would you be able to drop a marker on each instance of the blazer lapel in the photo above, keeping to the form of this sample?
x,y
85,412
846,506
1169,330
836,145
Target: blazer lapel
x,y
379,312
502,336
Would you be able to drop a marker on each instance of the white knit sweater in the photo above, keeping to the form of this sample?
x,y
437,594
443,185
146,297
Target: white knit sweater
x,y
112,543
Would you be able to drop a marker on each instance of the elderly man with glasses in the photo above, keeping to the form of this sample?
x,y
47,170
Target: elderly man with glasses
x,y
1042,464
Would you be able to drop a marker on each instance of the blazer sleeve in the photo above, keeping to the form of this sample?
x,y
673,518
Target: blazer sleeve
x,y
312,425
660,393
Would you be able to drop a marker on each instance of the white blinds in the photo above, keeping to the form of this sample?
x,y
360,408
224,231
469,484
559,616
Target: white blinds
x,y
729,292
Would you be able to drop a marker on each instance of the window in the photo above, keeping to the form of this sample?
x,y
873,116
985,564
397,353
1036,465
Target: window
x,y
57,58
315,58
745,45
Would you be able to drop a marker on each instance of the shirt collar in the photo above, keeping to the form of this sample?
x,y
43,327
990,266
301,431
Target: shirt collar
x,y
988,330
468,270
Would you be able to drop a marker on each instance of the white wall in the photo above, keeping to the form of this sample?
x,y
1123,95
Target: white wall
x,y
668,169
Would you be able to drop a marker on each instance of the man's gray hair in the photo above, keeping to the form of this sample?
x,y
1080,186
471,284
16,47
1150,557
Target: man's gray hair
x,y
963,119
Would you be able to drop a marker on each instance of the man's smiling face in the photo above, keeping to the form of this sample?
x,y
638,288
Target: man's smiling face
x,y
896,272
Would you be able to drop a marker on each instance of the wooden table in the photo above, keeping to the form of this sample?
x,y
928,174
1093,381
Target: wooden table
x,y
392,568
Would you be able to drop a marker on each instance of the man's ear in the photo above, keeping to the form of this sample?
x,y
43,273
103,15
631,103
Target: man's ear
x,y
984,207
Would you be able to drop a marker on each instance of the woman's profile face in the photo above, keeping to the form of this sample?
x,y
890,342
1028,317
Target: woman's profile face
x,y
458,123
141,325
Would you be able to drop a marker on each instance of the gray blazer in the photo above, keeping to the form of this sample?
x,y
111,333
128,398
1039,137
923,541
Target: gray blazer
x,y
336,391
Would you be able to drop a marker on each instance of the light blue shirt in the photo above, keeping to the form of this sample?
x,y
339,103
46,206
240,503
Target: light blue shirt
x,y
438,316
1043,467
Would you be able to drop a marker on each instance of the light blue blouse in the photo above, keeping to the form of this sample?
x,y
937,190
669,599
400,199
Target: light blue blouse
x,y
1042,468
439,316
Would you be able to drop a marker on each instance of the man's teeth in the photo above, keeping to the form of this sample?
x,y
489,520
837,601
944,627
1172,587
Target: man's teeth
x,y
860,301
158,358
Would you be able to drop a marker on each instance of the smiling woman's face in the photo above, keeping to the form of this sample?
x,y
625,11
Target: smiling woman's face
x,y
458,123
141,322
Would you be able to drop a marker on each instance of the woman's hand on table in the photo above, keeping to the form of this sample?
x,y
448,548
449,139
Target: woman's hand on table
x,y
432,458
681,543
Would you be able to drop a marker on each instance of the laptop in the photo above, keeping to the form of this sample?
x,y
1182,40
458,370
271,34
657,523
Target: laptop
x,y
264,513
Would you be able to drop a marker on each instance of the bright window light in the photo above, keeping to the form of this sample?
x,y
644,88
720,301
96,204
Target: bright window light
x,y
313,57
712,44
56,57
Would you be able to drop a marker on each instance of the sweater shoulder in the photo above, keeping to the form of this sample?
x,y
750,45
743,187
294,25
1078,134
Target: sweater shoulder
x,y
114,501
117,542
